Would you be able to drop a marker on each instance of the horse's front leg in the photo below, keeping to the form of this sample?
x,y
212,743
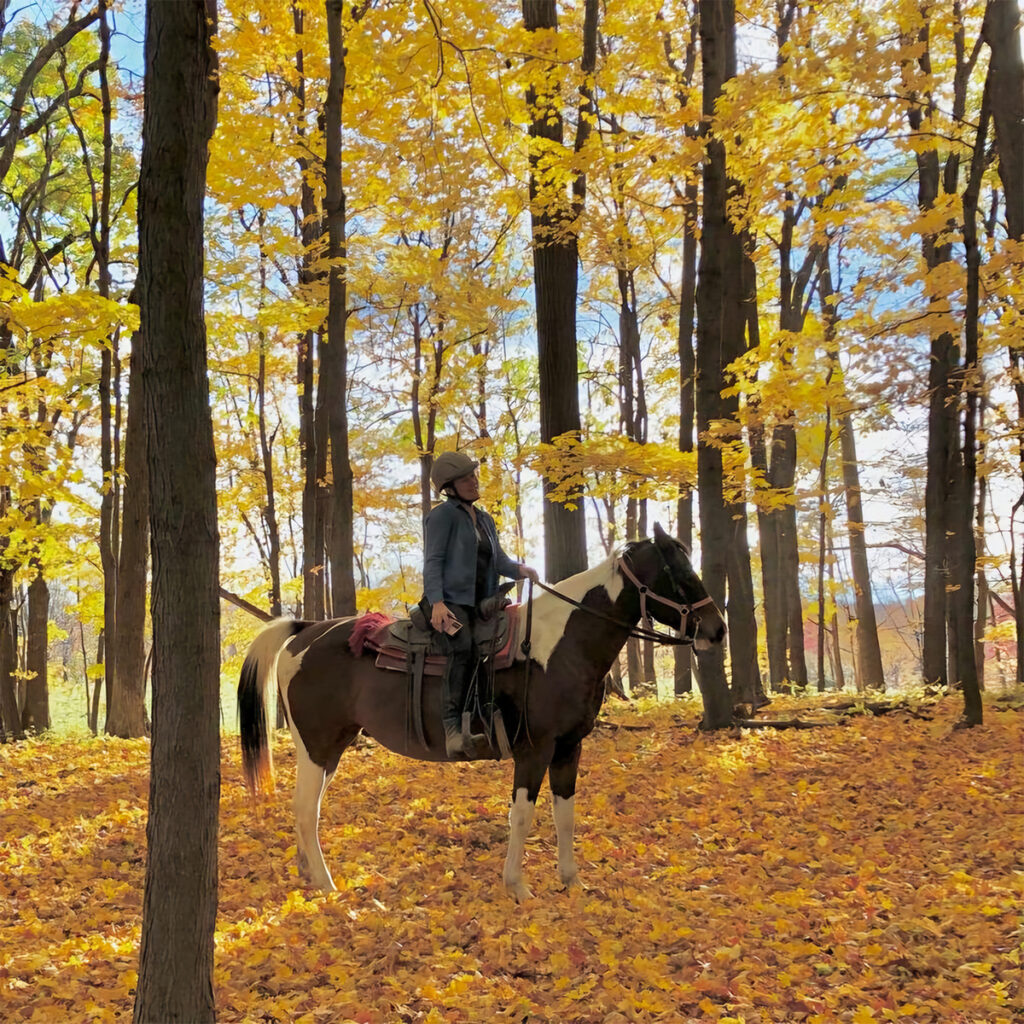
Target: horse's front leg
x,y
564,766
529,774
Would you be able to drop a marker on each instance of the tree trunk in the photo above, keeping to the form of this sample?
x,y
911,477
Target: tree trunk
x,y
97,688
837,647
555,260
869,652
683,656
127,715
964,563
942,406
822,539
11,718
869,655
180,903
984,598
310,230
1001,30
720,337
683,681
36,712
110,499
334,356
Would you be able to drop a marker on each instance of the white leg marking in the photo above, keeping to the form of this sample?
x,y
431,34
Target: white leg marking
x,y
551,614
520,819
310,782
565,819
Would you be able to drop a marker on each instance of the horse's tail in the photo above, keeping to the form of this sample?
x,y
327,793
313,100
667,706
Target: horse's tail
x,y
253,708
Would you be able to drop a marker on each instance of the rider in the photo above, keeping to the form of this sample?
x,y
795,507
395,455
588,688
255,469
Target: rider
x,y
462,559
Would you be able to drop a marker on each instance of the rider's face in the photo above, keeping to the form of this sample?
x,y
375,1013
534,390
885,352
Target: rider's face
x,y
467,487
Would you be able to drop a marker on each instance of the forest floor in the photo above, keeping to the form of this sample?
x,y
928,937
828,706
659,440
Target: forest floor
x,y
866,871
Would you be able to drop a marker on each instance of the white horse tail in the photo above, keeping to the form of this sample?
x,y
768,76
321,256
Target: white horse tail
x,y
259,667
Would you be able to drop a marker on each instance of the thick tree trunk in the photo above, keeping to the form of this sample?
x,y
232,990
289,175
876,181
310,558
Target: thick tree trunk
x,y
127,714
721,323
1001,30
180,903
334,356
555,261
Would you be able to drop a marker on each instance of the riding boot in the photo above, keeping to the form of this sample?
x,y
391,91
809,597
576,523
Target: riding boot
x,y
451,706
458,740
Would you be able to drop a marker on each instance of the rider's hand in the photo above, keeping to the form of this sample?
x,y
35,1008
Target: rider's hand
x,y
440,617
527,572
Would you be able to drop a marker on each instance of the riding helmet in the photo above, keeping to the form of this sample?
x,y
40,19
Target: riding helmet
x,y
449,466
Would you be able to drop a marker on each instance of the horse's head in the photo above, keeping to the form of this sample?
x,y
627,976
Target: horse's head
x,y
675,594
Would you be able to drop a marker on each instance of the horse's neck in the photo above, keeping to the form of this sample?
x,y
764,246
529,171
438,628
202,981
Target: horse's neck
x,y
551,613
577,587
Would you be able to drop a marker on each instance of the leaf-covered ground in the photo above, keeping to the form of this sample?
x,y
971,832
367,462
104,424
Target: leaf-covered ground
x,y
866,872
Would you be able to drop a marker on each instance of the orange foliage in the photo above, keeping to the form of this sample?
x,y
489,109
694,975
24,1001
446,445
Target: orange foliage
x,y
860,873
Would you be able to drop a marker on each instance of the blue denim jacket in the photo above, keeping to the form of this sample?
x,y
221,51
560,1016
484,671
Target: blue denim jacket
x,y
449,554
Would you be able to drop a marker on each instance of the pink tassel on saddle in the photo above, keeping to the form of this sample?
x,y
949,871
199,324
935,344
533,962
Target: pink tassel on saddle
x,y
365,626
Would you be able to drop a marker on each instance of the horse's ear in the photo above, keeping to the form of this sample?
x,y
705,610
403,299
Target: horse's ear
x,y
661,538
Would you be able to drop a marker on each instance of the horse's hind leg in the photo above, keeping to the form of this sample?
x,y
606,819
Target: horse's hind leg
x,y
562,776
311,782
529,774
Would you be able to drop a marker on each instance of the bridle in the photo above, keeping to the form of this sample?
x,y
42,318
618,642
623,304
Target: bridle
x,y
645,616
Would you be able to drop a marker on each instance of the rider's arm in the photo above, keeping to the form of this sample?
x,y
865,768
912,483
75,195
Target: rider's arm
x,y
437,532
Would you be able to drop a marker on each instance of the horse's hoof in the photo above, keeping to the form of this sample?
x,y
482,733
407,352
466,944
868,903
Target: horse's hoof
x,y
520,892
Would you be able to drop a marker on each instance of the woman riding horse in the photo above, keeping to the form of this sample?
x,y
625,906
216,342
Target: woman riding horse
x,y
462,559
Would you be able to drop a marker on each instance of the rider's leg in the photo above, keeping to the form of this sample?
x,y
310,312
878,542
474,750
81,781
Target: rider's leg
x,y
461,662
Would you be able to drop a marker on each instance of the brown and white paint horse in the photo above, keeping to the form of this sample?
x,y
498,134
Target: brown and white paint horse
x,y
331,695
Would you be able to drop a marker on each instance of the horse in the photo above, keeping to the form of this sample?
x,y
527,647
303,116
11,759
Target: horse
x,y
549,696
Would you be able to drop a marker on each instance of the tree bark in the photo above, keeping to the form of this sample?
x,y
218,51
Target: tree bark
x,y
180,903
36,712
10,718
869,652
869,655
310,229
964,562
334,355
943,364
127,714
720,338
110,499
1001,30
683,681
555,259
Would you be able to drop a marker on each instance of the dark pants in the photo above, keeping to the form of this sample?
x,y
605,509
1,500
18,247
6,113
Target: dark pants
x,y
462,661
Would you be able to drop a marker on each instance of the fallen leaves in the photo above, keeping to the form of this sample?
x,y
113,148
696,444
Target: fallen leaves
x,y
863,874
